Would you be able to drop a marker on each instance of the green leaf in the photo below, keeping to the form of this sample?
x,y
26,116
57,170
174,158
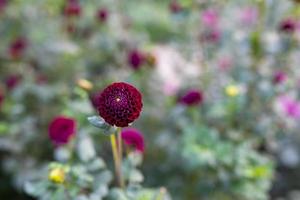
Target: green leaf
x,y
101,124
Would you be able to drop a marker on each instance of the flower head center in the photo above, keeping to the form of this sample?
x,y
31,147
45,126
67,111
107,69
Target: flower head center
x,y
118,99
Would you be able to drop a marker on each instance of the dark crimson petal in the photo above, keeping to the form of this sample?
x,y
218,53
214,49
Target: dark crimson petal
x,y
132,137
119,104
62,129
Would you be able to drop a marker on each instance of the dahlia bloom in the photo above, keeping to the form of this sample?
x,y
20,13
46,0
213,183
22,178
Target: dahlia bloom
x,y
12,81
119,104
133,138
279,77
289,106
102,15
191,97
72,8
17,47
288,25
62,129
210,18
135,59
248,15
175,7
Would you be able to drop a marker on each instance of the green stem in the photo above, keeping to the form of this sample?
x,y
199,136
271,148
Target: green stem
x,y
120,148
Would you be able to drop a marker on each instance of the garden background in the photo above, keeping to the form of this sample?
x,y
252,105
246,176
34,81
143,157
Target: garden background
x,y
220,83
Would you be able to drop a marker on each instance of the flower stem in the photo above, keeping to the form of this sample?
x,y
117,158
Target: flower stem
x,y
116,157
120,151
116,145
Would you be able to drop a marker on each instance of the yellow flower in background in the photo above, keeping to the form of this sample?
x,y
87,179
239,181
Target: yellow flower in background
x,y
232,90
85,84
57,175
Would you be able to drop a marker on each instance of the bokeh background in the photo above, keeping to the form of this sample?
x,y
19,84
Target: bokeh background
x,y
220,82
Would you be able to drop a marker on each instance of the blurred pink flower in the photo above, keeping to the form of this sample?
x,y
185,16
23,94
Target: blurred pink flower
x,y
170,88
279,77
289,106
210,18
133,138
248,15
62,129
2,4
225,63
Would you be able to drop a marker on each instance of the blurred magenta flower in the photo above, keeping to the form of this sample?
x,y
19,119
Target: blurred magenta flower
x,y
72,8
62,129
12,81
212,36
249,16
17,47
279,77
210,18
2,96
191,97
102,15
289,106
175,7
3,4
288,25
133,138
135,59
120,104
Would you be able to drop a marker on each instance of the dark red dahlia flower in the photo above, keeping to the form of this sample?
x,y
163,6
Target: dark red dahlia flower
x,y
191,97
136,59
12,81
133,138
279,77
120,104
17,47
288,25
62,129
72,8
102,14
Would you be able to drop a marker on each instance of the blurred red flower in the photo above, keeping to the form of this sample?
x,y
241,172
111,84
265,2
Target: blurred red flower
x,y
1,97
62,129
72,8
12,81
133,138
191,97
17,47
136,59
288,25
102,14
175,7
120,104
